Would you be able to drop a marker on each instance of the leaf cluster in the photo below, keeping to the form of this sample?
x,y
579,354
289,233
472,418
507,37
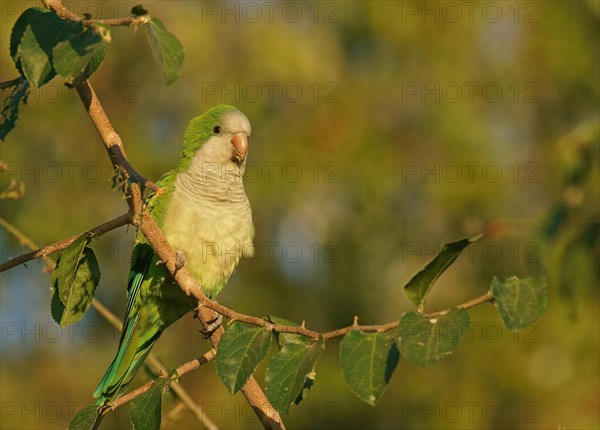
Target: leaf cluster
x,y
367,359
44,45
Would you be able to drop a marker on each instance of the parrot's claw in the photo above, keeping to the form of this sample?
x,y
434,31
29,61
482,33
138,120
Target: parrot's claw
x,y
212,325
180,260
104,406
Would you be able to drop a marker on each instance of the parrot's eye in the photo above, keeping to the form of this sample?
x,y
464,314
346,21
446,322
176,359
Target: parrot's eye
x,y
217,129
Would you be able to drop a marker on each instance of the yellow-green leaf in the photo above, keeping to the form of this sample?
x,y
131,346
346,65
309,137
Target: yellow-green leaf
x,y
288,371
419,286
166,49
74,281
241,349
368,361
425,340
146,409
520,302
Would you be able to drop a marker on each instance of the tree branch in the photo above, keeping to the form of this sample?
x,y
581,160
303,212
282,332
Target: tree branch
x,y
487,297
181,370
57,246
179,391
58,8
128,21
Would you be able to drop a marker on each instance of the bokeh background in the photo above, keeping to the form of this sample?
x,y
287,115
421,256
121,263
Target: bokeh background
x,y
381,130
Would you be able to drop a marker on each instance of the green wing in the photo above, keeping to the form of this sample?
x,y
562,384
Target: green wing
x,y
154,303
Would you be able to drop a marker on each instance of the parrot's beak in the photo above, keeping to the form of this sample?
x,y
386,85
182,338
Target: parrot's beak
x,y
240,146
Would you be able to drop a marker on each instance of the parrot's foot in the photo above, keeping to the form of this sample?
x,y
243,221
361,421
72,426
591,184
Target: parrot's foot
x,y
180,260
212,325
104,407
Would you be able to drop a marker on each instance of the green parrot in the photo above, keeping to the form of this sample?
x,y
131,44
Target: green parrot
x,y
204,213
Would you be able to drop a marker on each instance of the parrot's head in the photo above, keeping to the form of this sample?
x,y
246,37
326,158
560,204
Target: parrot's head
x,y
220,135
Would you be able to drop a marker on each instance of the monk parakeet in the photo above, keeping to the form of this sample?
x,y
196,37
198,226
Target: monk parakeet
x,y
204,213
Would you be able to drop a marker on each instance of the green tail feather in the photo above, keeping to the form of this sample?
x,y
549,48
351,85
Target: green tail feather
x,y
154,304
132,353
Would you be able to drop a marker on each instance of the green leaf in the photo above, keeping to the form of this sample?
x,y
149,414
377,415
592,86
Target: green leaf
x,y
520,302
288,371
85,418
368,361
166,49
32,39
17,95
419,286
77,58
424,340
240,350
74,280
285,338
146,409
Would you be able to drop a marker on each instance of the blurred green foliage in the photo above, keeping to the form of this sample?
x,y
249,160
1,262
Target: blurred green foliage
x,y
381,131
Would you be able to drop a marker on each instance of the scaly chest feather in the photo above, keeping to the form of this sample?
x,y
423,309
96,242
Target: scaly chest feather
x,y
211,222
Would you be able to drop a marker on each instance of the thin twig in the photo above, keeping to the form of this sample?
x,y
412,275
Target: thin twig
x,y
57,7
58,246
487,297
180,392
23,240
8,84
181,370
174,414
107,314
128,21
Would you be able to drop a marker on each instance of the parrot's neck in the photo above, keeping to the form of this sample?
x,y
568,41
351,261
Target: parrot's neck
x,y
209,219
219,184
